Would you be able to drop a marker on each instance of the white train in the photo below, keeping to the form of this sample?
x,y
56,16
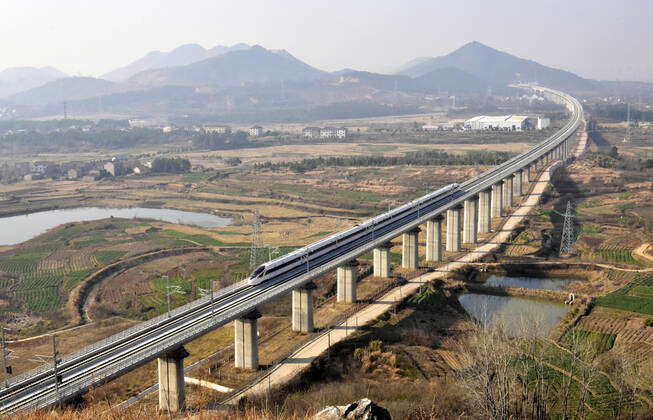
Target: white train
x,y
306,254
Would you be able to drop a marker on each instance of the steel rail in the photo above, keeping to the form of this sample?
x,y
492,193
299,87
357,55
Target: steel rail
x,y
122,352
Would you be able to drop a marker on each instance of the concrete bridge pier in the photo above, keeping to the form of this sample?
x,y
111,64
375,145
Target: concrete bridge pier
x,y
517,184
410,249
470,220
382,260
453,229
172,389
246,341
347,275
302,308
434,239
507,192
497,200
484,212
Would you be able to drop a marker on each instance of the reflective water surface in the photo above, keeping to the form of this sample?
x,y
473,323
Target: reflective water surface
x,y
519,316
17,229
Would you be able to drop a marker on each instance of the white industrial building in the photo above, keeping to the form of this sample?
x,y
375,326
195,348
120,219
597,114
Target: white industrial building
x,y
503,122
543,123
217,129
256,131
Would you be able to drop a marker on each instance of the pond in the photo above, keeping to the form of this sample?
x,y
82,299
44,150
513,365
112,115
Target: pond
x,y
519,316
546,283
17,229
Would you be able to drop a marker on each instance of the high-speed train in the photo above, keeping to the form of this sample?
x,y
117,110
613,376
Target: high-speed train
x,y
301,256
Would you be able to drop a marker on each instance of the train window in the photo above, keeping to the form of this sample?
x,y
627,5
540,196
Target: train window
x,y
258,271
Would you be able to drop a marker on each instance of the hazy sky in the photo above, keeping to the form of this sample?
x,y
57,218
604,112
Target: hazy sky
x,y
597,39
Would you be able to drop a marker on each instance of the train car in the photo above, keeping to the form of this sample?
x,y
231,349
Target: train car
x,y
303,255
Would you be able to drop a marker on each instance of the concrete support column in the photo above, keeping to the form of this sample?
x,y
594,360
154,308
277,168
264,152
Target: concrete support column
x,y
470,220
302,308
497,200
347,276
382,260
519,177
454,239
410,249
507,192
246,341
434,239
172,390
484,213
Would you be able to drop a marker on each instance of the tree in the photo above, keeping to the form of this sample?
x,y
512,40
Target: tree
x,y
171,165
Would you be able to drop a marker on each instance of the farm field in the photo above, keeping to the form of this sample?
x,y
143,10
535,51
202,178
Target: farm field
x,y
287,153
37,276
294,209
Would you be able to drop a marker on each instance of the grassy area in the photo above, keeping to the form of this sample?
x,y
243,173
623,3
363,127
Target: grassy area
x,y
595,341
106,257
634,297
616,255
201,239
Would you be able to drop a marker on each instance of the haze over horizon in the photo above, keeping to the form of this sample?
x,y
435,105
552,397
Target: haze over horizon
x,y
607,42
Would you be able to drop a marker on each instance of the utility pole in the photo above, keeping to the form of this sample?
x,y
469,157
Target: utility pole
x,y
567,239
55,354
204,292
171,290
167,293
627,138
5,367
256,241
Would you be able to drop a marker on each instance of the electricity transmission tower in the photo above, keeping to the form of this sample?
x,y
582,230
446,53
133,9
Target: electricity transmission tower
x,y
567,240
256,241
627,138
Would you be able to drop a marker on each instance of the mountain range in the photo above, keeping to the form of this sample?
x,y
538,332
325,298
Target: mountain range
x,y
496,67
18,79
180,56
222,80
252,65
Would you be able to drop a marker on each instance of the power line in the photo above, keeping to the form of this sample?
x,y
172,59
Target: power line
x,y
567,239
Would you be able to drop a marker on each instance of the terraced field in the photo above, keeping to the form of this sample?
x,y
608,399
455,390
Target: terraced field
x,y
634,297
579,387
37,276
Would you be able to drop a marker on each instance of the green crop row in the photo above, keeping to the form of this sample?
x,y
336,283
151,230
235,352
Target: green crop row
x,y
633,297
616,255
595,342
201,239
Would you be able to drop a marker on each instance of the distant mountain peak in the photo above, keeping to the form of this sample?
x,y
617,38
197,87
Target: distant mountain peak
x,y
497,67
182,55
18,79
252,65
